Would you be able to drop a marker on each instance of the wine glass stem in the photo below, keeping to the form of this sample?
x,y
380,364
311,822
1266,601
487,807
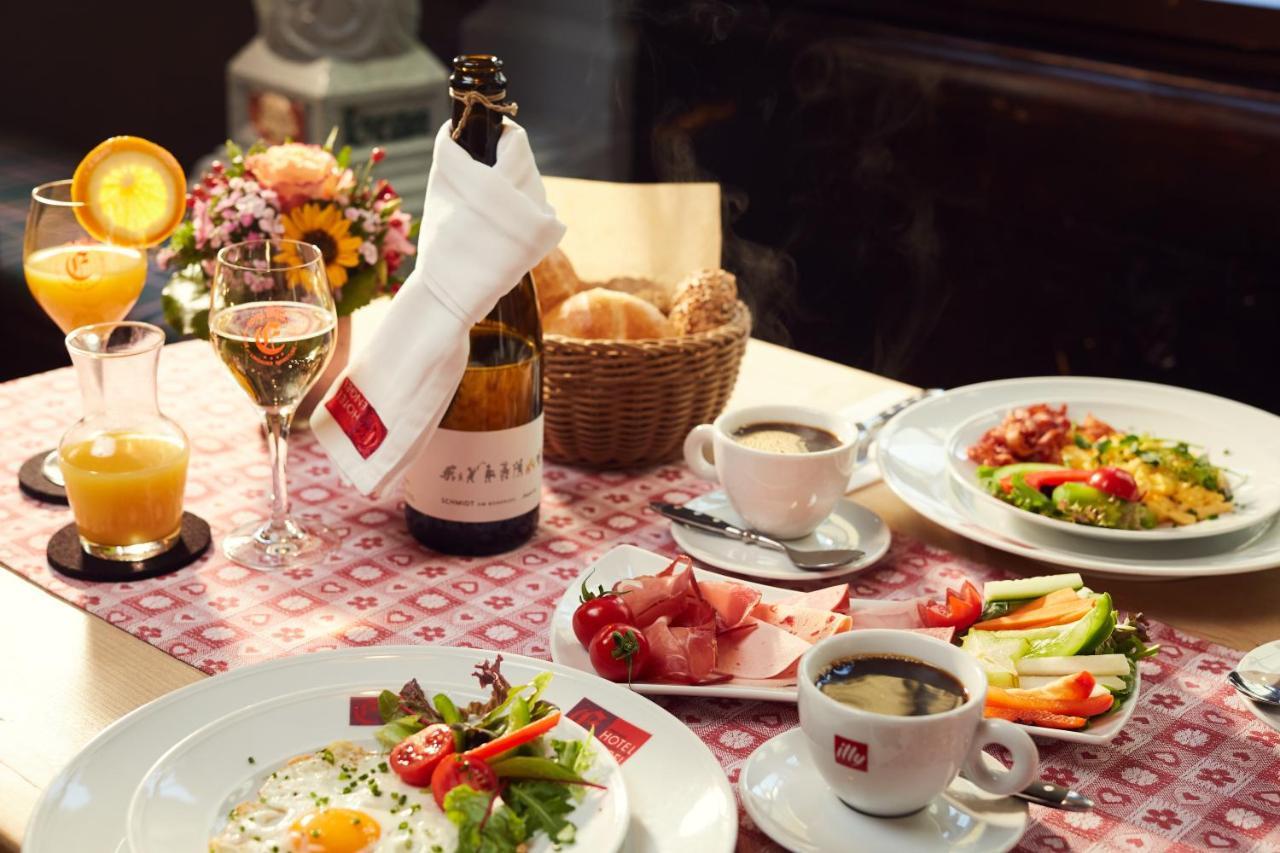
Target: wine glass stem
x,y
278,451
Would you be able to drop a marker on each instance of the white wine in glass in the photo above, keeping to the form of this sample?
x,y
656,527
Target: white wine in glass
x,y
273,323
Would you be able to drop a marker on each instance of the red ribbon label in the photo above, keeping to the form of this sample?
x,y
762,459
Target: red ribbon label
x,y
618,736
357,418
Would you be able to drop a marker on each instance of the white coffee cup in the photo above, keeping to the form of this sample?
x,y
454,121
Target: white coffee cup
x,y
786,495
888,765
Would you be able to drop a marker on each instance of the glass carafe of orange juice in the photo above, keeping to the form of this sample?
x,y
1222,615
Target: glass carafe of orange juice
x,y
125,464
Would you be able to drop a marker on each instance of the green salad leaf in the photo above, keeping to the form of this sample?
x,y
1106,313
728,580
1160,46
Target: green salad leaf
x,y
483,825
544,807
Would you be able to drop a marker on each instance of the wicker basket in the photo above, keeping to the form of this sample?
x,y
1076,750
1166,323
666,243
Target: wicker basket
x,y
622,404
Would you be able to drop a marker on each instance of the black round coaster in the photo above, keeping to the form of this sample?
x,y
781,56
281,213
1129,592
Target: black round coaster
x,y
35,484
68,558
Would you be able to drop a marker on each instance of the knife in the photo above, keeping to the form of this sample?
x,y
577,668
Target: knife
x,y
802,558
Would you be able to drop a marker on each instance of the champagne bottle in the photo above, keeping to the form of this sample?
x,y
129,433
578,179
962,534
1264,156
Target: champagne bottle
x,y
476,487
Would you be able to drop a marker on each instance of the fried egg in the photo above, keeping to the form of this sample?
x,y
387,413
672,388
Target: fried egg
x,y
340,799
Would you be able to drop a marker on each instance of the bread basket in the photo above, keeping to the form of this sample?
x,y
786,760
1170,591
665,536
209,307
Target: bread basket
x,y
625,404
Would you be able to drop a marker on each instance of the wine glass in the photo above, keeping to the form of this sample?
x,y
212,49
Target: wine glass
x,y
77,280
273,322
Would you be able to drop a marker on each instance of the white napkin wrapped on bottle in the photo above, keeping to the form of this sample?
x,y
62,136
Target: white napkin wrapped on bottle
x,y
482,229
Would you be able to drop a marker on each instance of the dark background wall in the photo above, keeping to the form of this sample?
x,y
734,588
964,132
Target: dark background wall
x,y
943,192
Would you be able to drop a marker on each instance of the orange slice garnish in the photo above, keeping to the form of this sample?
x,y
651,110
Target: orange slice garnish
x,y
133,192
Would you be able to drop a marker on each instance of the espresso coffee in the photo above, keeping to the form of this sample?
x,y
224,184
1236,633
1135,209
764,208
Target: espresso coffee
x,y
781,437
892,685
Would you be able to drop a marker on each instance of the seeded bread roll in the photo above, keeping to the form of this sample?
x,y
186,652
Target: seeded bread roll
x,y
599,314
555,280
704,300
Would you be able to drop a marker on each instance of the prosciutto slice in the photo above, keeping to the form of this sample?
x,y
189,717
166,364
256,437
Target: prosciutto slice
x,y
731,601
671,593
682,654
764,652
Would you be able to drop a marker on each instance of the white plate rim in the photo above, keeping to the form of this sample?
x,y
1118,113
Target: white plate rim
x,y
1239,520
947,512
621,700
689,542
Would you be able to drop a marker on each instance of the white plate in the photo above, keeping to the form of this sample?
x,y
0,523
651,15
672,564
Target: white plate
x,y
628,561
913,457
850,525
1256,498
84,808
791,803
1267,659
183,800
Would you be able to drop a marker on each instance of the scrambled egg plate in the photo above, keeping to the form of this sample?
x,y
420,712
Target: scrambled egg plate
x,y
1180,487
341,799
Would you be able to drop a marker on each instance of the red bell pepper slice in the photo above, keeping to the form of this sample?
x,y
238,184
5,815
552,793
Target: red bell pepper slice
x,y
1116,482
1029,700
1048,479
1036,718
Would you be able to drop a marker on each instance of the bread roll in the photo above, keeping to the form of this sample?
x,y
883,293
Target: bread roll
x,y
655,293
554,280
704,300
599,314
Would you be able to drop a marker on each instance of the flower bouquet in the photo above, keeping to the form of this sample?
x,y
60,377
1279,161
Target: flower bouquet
x,y
297,192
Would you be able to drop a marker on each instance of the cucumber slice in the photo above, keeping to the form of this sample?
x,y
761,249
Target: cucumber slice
x,y
997,655
1030,587
1113,664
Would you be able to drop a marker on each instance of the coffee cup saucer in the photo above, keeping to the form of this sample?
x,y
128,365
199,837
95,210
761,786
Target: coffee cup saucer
x,y
850,525
790,802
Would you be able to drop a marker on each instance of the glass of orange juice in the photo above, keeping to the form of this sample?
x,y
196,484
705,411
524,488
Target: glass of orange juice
x,y
124,463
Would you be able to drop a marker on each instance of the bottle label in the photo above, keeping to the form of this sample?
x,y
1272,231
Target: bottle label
x,y
478,476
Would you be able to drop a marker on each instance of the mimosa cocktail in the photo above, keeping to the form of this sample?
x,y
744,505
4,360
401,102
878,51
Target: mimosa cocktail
x,y
80,284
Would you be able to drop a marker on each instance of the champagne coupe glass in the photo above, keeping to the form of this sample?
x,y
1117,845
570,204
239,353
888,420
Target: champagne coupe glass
x,y
77,280
273,322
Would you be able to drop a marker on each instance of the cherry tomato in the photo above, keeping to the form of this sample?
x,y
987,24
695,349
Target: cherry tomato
x,y
960,610
619,652
457,770
1116,482
596,611
415,757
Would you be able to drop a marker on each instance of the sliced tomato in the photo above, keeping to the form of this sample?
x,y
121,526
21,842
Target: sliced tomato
x,y
415,757
1036,718
1116,482
959,610
455,770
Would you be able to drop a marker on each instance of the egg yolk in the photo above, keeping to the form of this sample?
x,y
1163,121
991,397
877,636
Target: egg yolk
x,y
333,831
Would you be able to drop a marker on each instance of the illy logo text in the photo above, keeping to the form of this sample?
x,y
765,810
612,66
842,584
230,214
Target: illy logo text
x,y
850,753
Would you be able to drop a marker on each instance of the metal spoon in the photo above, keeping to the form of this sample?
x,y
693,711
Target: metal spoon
x,y
1251,688
801,558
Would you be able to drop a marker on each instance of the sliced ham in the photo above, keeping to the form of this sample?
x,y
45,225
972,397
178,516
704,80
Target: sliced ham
x,y
887,614
804,623
682,654
765,652
828,598
732,601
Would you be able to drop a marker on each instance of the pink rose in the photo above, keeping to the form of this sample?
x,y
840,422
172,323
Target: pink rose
x,y
299,173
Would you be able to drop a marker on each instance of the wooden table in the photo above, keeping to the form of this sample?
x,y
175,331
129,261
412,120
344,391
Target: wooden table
x,y
85,673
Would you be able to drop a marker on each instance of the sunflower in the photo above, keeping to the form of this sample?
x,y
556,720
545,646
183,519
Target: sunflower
x,y
325,228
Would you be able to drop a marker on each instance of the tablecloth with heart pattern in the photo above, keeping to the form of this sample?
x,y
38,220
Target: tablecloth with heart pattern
x,y
1193,770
